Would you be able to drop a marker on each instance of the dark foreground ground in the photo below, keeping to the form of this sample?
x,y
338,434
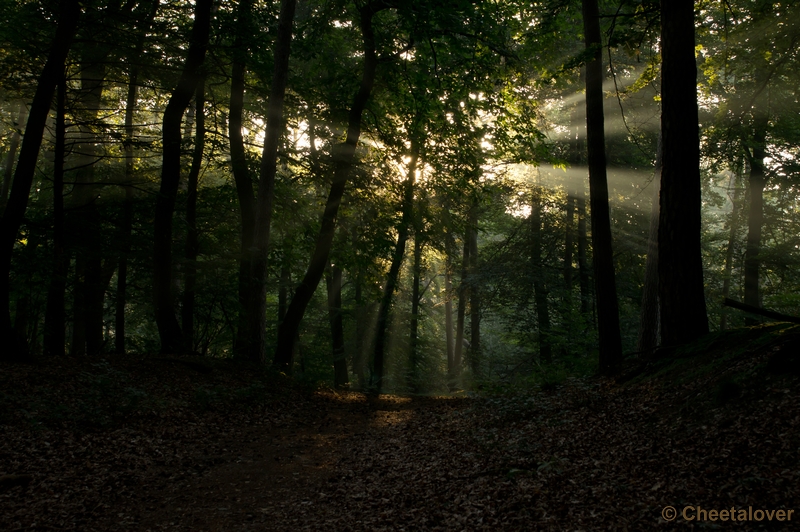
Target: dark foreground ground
x,y
166,444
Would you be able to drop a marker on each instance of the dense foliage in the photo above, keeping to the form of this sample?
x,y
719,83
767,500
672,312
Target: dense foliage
x,y
462,243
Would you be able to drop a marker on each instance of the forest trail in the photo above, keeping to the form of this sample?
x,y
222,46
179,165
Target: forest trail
x,y
276,478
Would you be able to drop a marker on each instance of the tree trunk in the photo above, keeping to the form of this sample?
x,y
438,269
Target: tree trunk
x,y
26,165
448,318
340,377
602,257
755,216
255,343
169,330
648,314
474,296
343,156
584,275
463,297
734,228
54,336
569,232
126,220
8,172
394,270
539,284
413,356
680,267
191,252
362,328
241,175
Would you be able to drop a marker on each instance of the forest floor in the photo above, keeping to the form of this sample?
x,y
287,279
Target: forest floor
x,y
155,443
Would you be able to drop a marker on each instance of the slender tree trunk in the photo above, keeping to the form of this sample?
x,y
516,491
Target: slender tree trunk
x,y
85,218
362,327
344,155
340,376
733,230
169,330
26,165
755,216
648,314
603,258
241,175
8,172
584,275
569,245
680,268
283,290
463,297
126,219
54,337
540,295
191,252
255,348
394,270
413,339
448,316
474,296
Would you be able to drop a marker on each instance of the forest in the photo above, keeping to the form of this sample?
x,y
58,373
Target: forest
x,y
461,214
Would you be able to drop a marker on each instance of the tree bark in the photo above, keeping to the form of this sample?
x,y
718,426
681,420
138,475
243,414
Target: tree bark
x,y
461,312
733,230
448,312
254,346
8,171
126,220
54,334
192,249
584,275
413,356
340,376
648,314
85,220
680,267
26,165
755,216
474,296
169,330
602,257
394,270
242,178
343,156
539,285
569,245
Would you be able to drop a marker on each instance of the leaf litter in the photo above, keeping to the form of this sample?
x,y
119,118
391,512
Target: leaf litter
x,y
118,446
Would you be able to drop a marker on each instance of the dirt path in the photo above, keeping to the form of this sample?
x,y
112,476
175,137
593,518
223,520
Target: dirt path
x,y
265,478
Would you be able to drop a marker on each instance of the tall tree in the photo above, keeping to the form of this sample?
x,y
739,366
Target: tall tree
x,y
255,345
403,231
192,246
126,218
52,72
755,217
8,171
540,296
334,282
169,330
648,313
241,176
680,269
343,157
603,258
54,334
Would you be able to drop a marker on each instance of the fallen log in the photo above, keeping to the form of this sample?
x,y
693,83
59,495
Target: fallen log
x,y
760,311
